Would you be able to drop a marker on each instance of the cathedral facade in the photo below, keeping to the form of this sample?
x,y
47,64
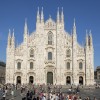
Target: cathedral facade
x,y
50,55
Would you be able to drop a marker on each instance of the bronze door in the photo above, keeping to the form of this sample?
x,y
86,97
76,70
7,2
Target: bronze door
x,y
50,78
18,80
31,79
81,80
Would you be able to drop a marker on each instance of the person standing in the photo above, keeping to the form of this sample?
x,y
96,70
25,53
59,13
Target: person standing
x,y
94,98
12,93
4,96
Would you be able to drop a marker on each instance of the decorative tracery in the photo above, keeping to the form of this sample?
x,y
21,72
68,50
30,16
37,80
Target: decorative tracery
x,y
80,65
31,65
19,65
68,65
68,53
49,55
31,53
50,38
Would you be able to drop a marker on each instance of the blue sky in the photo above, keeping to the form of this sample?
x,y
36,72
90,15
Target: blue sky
x,y
86,13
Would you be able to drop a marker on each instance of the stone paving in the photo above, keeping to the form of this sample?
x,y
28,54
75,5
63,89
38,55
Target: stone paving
x,y
84,92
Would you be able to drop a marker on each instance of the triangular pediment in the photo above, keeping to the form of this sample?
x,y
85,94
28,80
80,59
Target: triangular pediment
x,y
50,24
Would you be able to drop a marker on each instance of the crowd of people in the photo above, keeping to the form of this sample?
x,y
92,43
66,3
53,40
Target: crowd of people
x,y
42,92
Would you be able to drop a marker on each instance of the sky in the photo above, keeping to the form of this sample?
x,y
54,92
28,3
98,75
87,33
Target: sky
x,y
86,13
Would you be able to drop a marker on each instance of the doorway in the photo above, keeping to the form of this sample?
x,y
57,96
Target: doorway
x,y
49,78
31,79
18,79
68,80
81,80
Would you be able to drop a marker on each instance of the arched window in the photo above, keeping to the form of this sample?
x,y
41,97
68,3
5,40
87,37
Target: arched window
x,y
31,65
31,53
68,53
49,55
19,65
80,65
68,65
50,39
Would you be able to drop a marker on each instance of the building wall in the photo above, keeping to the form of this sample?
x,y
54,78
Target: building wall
x,y
61,42
97,75
2,72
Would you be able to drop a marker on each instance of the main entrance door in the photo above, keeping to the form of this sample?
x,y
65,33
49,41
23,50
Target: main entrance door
x,y
18,80
81,80
68,80
31,79
50,78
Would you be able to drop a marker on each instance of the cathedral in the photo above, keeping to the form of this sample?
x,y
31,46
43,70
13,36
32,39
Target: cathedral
x,y
50,55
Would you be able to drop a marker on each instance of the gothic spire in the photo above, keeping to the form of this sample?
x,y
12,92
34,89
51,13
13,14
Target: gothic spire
x,y
74,27
9,34
90,35
86,38
58,16
25,27
38,16
42,15
28,33
9,38
74,23
13,34
13,38
62,16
